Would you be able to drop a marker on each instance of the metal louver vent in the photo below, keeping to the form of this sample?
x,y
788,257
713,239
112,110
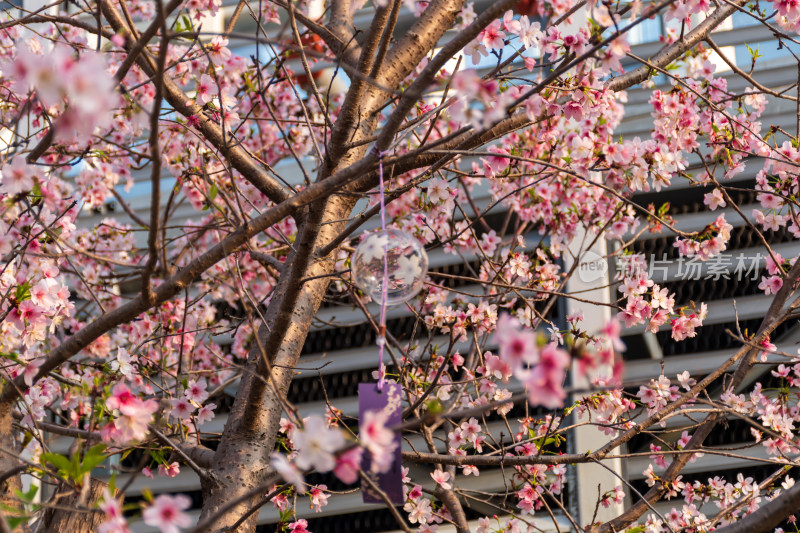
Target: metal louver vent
x,y
702,290
708,338
332,386
741,237
688,201
736,431
358,336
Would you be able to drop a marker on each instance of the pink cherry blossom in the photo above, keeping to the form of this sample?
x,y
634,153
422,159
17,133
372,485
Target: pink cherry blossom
x,y
441,478
167,513
31,369
181,409
287,470
318,497
544,382
492,37
206,89
316,444
348,465
516,345
300,526
206,414
170,470
378,440
17,176
115,521
771,285
196,391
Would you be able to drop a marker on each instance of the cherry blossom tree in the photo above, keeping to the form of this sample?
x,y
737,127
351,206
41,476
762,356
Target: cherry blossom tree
x,y
113,324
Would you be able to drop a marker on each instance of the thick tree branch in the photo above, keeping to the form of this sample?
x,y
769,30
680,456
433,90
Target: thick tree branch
x,y
233,152
768,516
340,41
451,501
670,53
340,24
420,39
356,107
415,91
184,276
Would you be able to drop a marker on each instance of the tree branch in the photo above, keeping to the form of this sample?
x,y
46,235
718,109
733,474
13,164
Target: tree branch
x,y
670,53
236,155
768,516
184,276
420,39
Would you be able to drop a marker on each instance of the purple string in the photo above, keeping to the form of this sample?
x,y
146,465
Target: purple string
x,y
381,340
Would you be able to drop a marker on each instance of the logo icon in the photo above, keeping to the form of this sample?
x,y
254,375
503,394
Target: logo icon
x,y
592,267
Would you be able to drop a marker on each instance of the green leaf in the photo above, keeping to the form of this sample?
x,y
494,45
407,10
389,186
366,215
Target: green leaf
x,y
14,521
57,460
434,407
753,53
212,192
158,457
12,356
23,292
76,462
36,191
541,443
29,495
93,458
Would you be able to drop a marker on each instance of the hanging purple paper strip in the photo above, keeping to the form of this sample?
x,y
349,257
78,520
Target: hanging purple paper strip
x,y
389,401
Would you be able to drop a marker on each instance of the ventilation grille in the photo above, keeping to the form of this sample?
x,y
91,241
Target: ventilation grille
x,y
690,201
732,431
703,290
758,473
709,338
741,237
341,385
359,336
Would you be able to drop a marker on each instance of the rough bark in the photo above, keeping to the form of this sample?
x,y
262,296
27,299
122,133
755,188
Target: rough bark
x,y
241,463
8,461
73,510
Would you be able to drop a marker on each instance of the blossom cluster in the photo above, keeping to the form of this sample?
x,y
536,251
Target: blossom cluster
x,y
70,263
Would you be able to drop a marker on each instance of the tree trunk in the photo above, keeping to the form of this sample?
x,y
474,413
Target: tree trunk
x,y
8,462
73,511
241,463
240,468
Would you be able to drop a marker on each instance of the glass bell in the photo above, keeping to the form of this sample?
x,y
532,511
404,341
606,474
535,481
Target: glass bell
x,y
406,266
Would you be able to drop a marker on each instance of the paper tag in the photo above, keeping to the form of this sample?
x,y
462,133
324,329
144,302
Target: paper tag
x,y
389,401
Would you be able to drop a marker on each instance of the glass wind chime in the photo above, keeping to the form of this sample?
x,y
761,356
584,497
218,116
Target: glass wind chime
x,y
390,266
